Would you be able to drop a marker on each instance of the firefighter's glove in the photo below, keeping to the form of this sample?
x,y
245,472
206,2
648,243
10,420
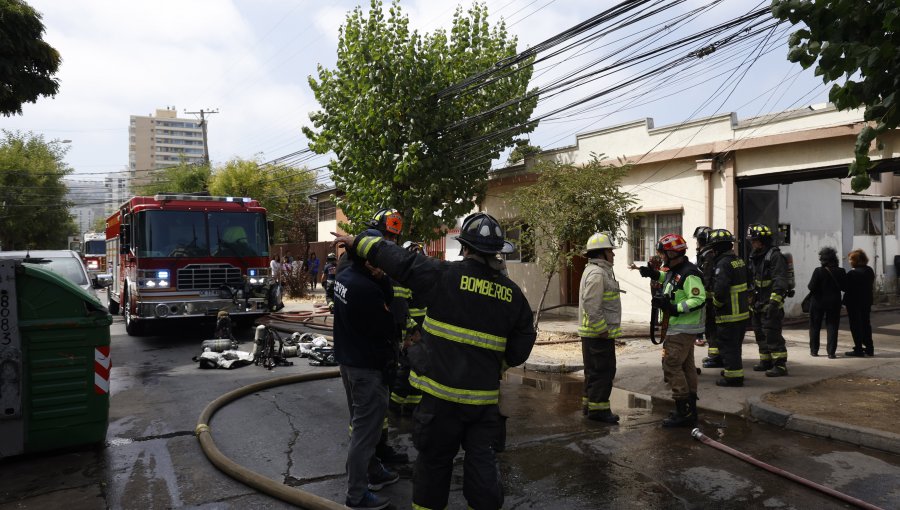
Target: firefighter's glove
x,y
664,304
648,272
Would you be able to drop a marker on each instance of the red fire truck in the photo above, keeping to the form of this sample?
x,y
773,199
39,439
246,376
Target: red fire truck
x,y
93,252
175,257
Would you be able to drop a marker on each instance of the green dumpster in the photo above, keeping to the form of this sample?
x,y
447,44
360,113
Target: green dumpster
x,y
54,357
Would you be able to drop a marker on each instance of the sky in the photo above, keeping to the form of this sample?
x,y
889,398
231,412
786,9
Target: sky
x,y
251,61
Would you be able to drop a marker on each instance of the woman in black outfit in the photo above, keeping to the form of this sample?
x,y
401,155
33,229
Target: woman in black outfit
x,y
825,286
858,300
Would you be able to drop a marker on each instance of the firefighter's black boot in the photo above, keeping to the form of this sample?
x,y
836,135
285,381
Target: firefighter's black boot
x,y
713,362
730,381
387,454
604,416
764,365
777,371
684,416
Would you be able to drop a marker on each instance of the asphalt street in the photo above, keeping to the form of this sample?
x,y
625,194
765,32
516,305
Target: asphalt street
x,y
297,435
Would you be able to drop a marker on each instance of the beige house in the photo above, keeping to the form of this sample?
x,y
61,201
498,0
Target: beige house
x,y
785,170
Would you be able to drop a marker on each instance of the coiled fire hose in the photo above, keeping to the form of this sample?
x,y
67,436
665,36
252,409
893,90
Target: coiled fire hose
x,y
700,436
246,476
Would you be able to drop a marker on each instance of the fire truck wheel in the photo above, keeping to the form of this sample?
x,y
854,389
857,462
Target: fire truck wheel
x,y
113,306
132,327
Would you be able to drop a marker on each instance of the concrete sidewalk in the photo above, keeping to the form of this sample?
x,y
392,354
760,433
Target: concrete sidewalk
x,y
638,371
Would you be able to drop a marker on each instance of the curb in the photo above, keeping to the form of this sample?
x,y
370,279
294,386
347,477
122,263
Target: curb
x,y
552,367
861,436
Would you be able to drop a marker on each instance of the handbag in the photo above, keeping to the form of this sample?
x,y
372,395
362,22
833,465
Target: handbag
x,y
804,305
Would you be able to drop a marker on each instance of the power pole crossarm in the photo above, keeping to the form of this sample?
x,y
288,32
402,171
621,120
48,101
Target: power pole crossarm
x,y
203,113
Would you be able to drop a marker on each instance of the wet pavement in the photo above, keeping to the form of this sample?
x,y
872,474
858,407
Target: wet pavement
x,y
297,435
639,371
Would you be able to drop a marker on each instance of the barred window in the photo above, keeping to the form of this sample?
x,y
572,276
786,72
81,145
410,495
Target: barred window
x,y
646,229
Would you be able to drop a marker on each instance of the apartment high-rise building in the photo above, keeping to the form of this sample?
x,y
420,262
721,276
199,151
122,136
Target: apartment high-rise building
x,y
117,192
88,201
161,140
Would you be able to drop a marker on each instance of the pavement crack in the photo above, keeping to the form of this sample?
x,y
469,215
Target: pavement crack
x,y
295,434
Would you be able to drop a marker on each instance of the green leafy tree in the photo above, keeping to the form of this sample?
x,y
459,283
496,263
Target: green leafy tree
x,y
398,145
857,42
522,150
181,178
239,178
27,63
33,208
283,191
567,204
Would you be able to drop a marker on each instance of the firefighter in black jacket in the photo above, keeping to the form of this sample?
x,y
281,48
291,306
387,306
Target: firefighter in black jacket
x,y
478,324
705,258
769,284
405,398
729,300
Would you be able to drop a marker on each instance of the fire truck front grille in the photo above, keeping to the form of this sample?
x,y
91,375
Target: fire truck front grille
x,y
208,276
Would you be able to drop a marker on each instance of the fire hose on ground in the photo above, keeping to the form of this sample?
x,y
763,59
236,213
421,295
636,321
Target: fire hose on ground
x,y
246,476
304,319
700,436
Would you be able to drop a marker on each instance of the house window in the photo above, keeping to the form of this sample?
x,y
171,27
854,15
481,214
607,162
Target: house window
x,y
867,219
646,229
326,210
524,251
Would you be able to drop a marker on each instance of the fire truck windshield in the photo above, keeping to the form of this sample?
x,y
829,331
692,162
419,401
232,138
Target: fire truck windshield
x,y
95,248
201,234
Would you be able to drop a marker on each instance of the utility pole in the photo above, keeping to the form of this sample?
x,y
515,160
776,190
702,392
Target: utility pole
x,y
202,113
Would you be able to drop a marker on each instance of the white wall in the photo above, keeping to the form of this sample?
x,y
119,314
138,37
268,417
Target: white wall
x,y
814,212
324,230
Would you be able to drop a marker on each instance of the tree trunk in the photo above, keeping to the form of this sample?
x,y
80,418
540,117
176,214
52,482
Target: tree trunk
x,y
537,316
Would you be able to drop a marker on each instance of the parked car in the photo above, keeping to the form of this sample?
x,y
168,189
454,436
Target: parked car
x,y
65,263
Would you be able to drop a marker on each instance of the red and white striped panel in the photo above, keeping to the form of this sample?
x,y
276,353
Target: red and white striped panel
x,y
102,365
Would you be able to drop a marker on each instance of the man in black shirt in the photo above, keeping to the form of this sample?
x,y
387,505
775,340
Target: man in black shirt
x,y
363,332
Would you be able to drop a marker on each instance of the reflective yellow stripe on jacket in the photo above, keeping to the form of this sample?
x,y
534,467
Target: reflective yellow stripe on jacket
x,y
590,329
365,244
465,336
734,293
458,395
402,292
